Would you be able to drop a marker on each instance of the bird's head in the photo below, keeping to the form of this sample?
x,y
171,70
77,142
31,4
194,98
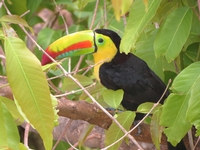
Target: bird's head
x,y
103,43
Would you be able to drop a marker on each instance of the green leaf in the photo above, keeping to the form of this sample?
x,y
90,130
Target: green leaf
x,y
16,20
146,52
52,36
174,115
30,88
138,20
156,129
173,34
184,82
146,107
9,133
113,98
193,114
12,109
69,84
32,5
17,8
114,132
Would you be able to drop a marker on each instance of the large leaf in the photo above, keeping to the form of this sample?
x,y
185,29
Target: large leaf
x,y
185,81
30,88
146,52
173,33
156,129
114,132
138,19
9,137
193,113
174,118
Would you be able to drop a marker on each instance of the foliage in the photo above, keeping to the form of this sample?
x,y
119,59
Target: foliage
x,y
163,33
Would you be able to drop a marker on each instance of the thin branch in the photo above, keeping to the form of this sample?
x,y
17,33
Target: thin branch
x,y
63,133
72,92
27,126
6,8
196,143
59,9
124,18
2,57
105,14
190,138
53,87
3,77
25,13
78,64
94,15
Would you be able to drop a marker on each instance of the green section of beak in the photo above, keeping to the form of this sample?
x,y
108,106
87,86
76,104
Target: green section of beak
x,y
75,44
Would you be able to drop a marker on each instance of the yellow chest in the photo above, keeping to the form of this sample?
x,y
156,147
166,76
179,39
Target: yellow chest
x,y
100,57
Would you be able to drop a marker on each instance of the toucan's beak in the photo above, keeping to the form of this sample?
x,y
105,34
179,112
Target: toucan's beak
x,y
75,44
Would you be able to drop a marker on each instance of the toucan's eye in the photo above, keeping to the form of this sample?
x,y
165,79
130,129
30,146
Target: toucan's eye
x,y
100,40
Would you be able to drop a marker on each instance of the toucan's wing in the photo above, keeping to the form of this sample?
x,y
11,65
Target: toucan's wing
x,y
139,82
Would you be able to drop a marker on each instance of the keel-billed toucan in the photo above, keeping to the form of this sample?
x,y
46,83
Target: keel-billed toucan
x,y
113,69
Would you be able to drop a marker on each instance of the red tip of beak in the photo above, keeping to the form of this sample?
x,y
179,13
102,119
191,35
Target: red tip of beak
x,y
46,59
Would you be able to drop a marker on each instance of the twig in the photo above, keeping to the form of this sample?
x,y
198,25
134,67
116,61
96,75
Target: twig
x,y
53,87
124,18
94,15
25,13
3,57
27,126
59,9
190,138
72,92
105,15
6,8
176,67
63,133
196,143
3,77
78,64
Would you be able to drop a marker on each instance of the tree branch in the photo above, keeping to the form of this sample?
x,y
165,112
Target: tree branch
x,y
83,111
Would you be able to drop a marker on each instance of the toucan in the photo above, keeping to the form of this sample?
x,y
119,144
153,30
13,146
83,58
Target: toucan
x,y
113,69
